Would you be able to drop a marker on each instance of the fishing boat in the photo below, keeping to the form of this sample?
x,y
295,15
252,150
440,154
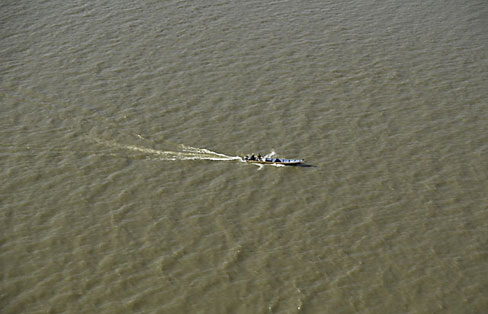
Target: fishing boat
x,y
272,161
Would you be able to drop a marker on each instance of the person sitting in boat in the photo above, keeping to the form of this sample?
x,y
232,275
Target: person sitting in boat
x,y
252,157
260,158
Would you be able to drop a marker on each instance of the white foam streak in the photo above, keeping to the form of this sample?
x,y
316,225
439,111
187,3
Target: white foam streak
x,y
270,155
187,153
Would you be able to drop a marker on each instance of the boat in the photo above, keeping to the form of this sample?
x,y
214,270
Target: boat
x,y
272,161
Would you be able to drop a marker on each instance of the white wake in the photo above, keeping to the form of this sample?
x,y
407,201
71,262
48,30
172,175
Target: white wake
x,y
184,153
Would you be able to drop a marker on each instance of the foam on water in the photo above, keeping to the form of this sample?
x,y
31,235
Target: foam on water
x,y
186,153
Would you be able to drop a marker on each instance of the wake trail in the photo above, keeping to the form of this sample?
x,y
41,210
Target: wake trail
x,y
183,153
186,152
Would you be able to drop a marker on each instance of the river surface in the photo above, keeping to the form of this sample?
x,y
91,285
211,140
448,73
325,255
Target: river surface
x,y
122,126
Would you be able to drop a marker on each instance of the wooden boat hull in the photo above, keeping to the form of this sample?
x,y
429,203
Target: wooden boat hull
x,y
276,161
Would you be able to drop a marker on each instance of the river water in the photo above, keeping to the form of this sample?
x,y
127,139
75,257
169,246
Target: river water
x,y
123,122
